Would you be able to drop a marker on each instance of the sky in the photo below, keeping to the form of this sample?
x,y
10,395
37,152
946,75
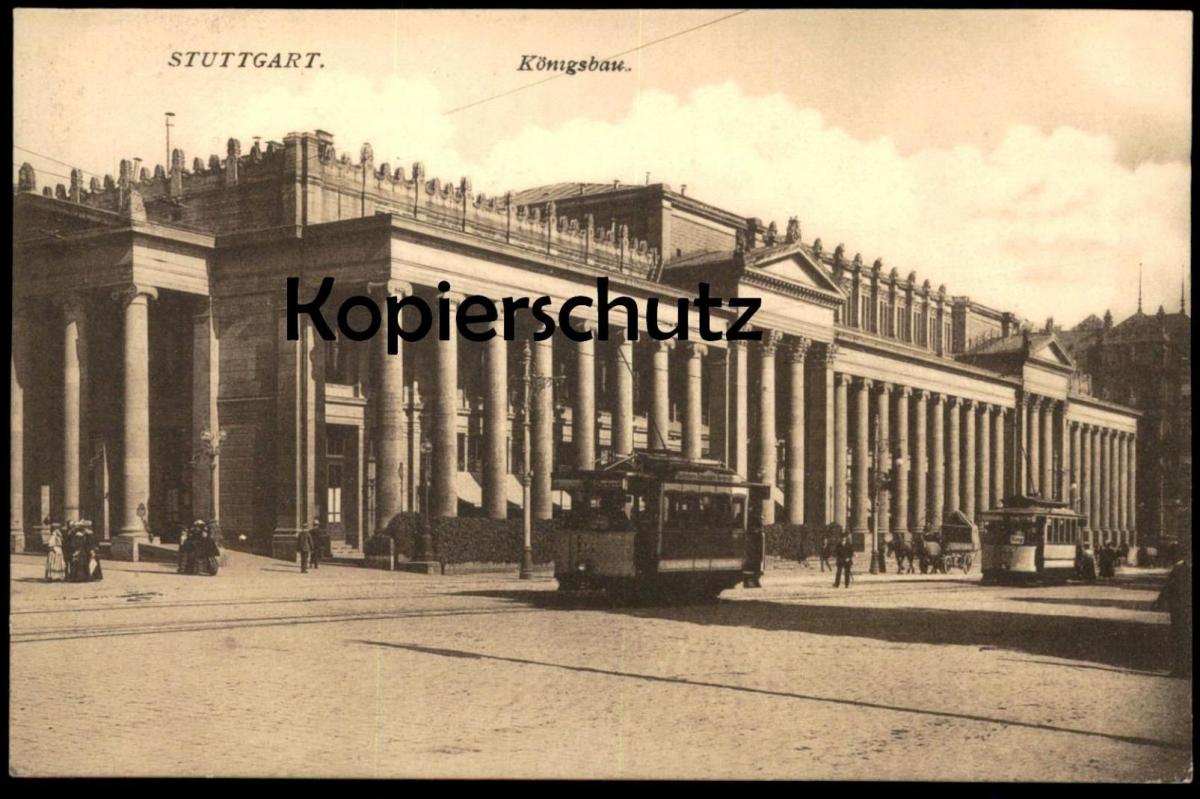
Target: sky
x,y
1028,160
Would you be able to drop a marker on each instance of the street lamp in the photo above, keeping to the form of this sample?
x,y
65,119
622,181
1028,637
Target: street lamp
x,y
526,571
210,447
426,533
882,479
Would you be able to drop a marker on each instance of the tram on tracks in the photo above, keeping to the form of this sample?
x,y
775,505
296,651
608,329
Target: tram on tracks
x,y
658,526
1030,539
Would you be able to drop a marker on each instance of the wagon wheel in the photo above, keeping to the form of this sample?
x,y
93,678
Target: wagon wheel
x,y
966,563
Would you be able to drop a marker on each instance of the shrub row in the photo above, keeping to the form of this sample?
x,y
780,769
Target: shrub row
x,y
798,541
464,539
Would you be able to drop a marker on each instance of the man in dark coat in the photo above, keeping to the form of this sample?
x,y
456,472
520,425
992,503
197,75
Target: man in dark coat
x,y
304,544
845,560
318,542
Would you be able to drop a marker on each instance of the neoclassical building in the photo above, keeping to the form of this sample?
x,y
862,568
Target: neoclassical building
x,y
153,381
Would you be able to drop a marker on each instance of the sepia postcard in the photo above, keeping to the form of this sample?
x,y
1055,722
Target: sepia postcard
x,y
601,394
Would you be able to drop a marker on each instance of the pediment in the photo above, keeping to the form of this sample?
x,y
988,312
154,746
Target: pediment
x,y
798,269
1052,351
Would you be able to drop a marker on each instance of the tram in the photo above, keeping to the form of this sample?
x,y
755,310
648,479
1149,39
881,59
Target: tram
x,y
1030,538
657,526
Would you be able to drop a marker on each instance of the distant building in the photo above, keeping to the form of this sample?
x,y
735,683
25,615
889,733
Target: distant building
x,y
1145,363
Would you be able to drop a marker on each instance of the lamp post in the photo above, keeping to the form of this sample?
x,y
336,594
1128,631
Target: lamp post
x,y
526,571
426,532
882,479
210,447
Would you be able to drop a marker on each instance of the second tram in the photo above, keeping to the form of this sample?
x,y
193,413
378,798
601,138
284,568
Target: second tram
x,y
1030,539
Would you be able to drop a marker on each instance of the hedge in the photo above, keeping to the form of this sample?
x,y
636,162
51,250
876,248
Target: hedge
x,y
464,539
798,541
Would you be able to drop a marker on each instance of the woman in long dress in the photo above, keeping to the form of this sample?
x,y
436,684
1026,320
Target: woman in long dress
x,y
209,555
77,567
56,566
94,572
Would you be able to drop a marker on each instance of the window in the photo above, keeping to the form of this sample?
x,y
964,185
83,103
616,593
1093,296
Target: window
x,y
334,494
704,512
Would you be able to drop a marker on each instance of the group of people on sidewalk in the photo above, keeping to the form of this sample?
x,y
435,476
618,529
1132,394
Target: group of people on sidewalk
x,y
199,552
73,553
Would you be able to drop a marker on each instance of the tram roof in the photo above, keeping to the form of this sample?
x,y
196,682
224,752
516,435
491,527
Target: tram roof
x,y
1022,504
659,465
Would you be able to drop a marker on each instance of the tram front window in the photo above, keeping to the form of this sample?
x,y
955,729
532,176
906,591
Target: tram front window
x,y
601,512
704,512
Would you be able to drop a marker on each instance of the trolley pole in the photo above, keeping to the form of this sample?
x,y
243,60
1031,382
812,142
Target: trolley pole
x,y
526,572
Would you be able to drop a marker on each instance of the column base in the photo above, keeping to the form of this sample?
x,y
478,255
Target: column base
x,y
16,541
125,545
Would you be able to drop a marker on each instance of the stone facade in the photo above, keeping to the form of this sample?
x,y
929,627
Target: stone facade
x,y
150,319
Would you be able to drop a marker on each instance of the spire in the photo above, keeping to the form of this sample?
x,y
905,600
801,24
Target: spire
x,y
1139,288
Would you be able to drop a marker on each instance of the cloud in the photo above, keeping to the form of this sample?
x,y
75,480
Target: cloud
x,y
1045,223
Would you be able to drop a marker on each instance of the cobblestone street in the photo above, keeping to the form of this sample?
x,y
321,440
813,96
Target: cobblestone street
x,y
346,672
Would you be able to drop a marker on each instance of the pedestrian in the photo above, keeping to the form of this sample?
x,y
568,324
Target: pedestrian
x,y
845,560
208,556
1176,598
191,561
184,536
78,567
56,566
826,552
92,548
318,541
304,544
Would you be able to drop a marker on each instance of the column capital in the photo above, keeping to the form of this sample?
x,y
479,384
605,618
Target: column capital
x,y
937,396
954,402
390,288
738,345
885,387
127,294
771,340
694,349
904,391
968,404
1001,411
865,383
824,356
798,351
655,345
841,379
455,298
73,306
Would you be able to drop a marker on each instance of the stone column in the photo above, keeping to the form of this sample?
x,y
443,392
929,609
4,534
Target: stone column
x,y
968,460
1103,488
391,424
1096,480
739,412
542,428
920,464
767,439
444,488
862,457
954,461
1113,487
885,463
206,374
1035,445
1133,514
841,445
1085,474
819,436
495,425
658,431
937,503
717,380
1122,486
900,517
998,456
16,428
135,454
74,315
693,353
1076,474
622,417
1021,454
583,410
1047,481
794,480
983,501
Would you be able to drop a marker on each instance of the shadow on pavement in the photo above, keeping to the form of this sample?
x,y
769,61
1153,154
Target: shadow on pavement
x,y
1140,646
1090,602
656,678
